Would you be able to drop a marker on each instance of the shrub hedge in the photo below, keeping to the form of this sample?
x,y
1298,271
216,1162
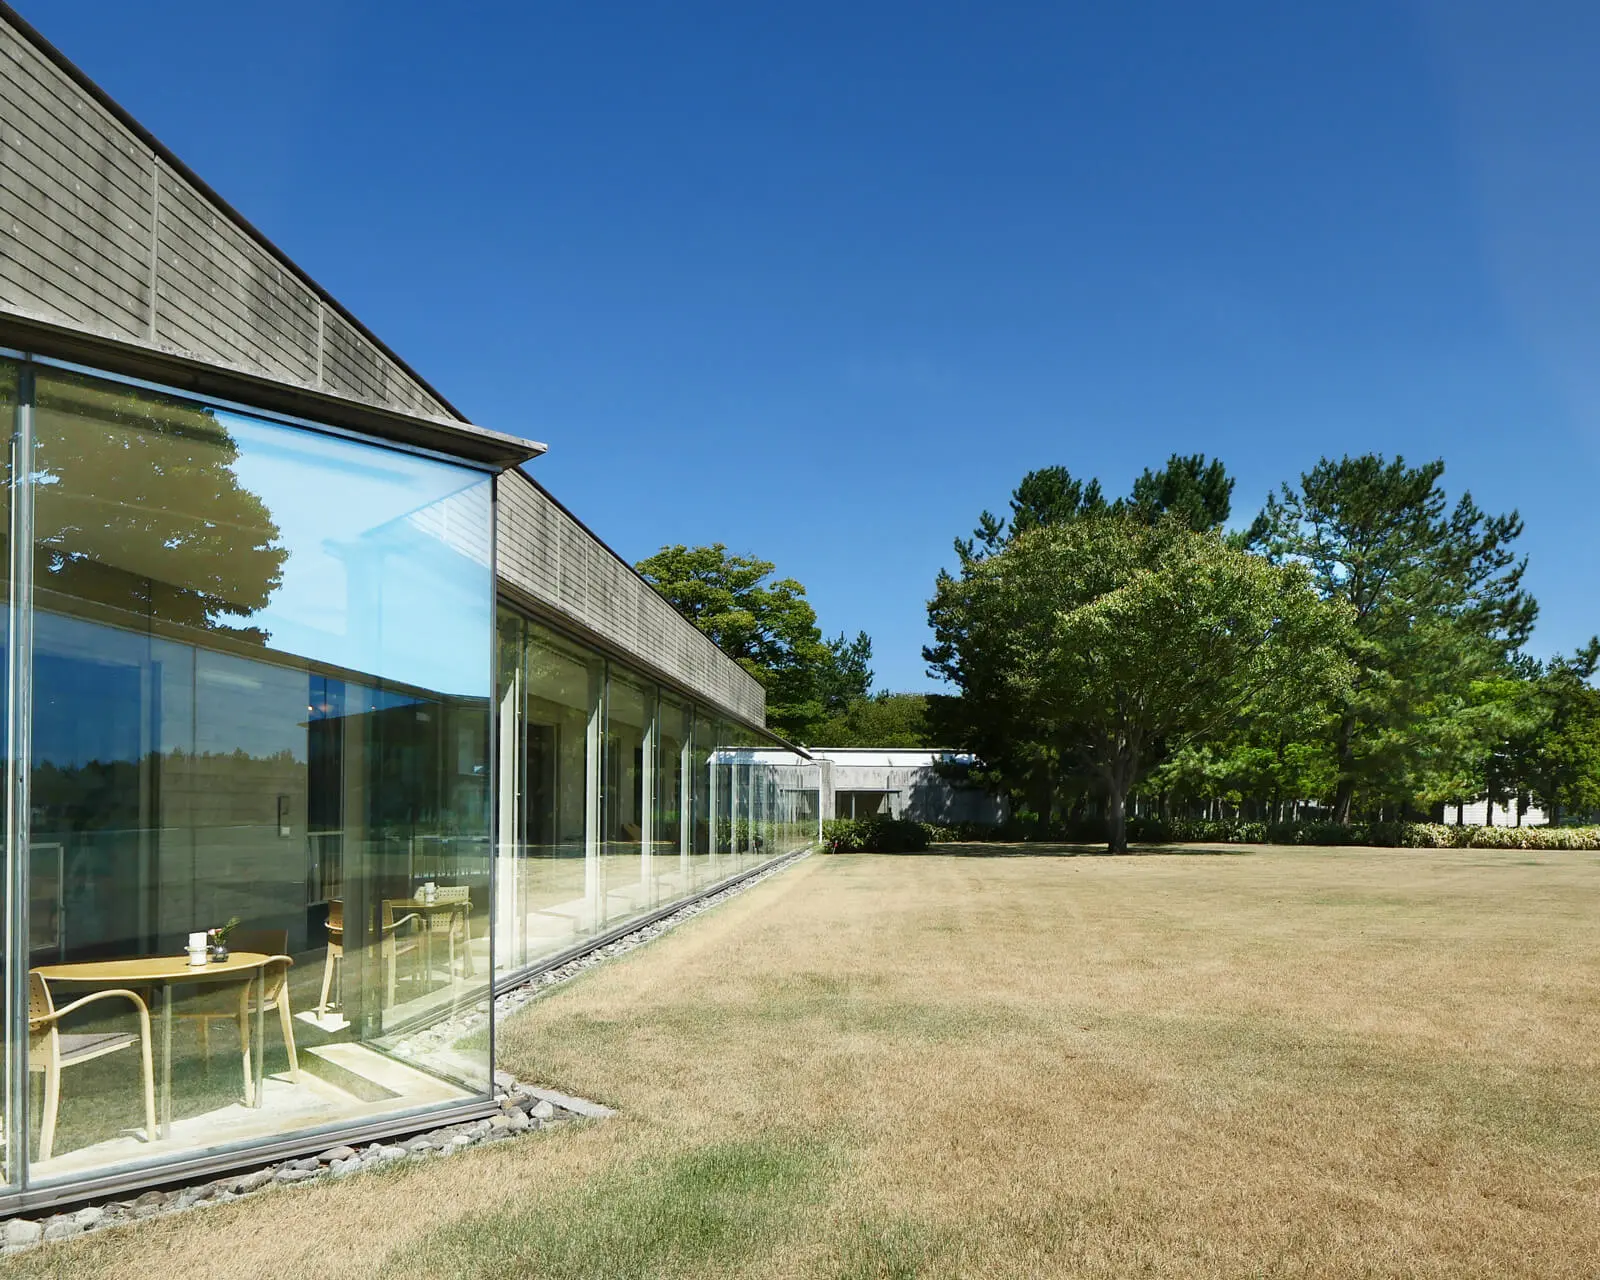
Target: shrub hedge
x,y
874,835
1391,835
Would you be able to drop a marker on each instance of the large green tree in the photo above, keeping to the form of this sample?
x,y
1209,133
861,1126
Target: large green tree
x,y
1029,762
766,625
846,678
1563,759
1435,595
1106,640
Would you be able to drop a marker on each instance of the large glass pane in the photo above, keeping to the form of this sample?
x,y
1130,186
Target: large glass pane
x,y
628,808
725,801
702,807
261,673
549,894
669,855
12,1170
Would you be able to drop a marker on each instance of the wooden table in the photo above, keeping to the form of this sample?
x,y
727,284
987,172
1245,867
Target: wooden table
x,y
167,972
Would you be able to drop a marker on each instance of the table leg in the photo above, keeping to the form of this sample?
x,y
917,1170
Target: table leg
x,y
166,1060
261,1033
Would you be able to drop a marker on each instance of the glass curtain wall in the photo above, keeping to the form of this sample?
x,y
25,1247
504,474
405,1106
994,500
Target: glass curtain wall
x,y
628,807
260,675
9,378
702,808
551,706
669,853
616,796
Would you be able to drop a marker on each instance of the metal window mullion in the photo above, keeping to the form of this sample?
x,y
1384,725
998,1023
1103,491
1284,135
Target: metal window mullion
x,y
19,721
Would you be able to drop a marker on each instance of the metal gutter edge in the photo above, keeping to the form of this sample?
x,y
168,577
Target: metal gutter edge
x,y
201,378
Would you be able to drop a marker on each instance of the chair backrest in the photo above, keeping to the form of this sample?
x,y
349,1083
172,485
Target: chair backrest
x,y
39,1002
336,918
454,893
270,942
42,1040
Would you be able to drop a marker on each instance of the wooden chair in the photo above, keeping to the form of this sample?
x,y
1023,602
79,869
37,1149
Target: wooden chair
x,y
50,1050
392,945
335,951
234,1000
395,944
452,925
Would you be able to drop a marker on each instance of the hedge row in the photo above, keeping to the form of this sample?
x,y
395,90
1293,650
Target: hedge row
x,y
1391,835
874,835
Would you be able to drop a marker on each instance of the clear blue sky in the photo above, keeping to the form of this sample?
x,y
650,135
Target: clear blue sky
x,y
821,281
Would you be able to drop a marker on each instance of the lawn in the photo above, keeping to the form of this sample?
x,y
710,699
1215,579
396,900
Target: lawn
x,y
1000,1062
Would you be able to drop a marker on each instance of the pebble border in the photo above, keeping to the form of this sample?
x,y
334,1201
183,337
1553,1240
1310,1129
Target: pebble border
x,y
524,1108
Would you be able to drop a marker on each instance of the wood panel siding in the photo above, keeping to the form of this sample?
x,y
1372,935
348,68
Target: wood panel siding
x,y
550,562
102,234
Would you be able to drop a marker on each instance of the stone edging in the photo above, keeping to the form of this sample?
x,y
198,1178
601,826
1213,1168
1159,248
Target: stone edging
x,y
523,1109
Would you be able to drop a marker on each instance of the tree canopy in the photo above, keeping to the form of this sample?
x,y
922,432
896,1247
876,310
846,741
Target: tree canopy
x,y
1103,642
882,720
1438,612
767,625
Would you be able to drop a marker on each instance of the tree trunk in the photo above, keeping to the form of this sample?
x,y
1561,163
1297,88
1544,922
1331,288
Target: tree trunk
x,y
1342,799
1344,756
1488,812
1461,813
1116,818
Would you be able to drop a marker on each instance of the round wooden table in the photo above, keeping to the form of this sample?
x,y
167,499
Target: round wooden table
x,y
167,972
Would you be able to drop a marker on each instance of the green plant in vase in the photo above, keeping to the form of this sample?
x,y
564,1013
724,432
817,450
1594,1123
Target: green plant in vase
x,y
217,939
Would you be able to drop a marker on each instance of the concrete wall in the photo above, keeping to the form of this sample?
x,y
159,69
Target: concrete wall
x,y
915,787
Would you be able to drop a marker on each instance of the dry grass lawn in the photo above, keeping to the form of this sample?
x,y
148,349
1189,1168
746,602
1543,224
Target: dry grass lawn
x,y
1234,1063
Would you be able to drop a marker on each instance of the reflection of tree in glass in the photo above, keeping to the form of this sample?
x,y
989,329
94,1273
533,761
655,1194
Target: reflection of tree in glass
x,y
138,509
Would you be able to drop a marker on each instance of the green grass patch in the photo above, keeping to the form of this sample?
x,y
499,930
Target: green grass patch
x,y
709,1209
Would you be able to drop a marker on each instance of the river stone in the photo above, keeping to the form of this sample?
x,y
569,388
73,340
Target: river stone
x,y
333,1154
23,1231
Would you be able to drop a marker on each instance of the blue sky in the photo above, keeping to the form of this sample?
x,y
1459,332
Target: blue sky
x,y
823,281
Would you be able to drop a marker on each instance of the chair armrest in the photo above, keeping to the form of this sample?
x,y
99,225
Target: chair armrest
x,y
44,1019
394,925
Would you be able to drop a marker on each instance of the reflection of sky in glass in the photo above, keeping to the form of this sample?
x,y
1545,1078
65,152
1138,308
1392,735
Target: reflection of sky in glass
x,y
388,570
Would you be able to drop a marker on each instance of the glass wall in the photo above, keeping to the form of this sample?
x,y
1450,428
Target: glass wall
x,y
260,669
618,797
627,808
669,851
13,1159
550,721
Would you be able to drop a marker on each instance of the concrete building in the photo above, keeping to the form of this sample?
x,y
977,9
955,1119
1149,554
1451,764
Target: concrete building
x,y
921,785
291,644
